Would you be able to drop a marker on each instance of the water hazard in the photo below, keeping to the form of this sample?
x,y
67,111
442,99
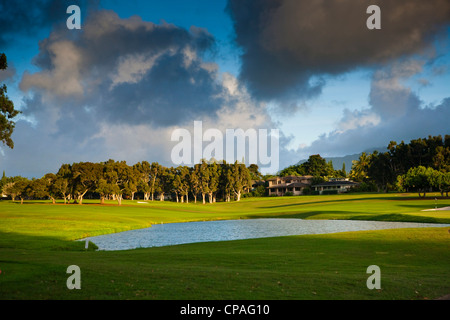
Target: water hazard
x,y
206,231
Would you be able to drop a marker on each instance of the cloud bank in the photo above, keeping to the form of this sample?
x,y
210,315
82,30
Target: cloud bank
x,y
289,45
118,88
290,48
395,113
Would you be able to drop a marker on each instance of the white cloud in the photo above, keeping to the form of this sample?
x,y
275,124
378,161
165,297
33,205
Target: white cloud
x,y
356,119
64,77
132,68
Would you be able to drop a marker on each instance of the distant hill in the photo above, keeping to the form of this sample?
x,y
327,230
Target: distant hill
x,y
338,161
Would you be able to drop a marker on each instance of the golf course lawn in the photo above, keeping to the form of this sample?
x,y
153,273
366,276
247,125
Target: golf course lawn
x,y
37,245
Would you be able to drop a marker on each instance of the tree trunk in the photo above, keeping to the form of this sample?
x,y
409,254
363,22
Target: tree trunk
x,y
132,196
195,198
21,200
102,200
187,197
210,196
203,195
80,197
53,200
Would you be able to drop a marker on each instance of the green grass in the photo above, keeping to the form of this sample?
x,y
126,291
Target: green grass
x,y
36,247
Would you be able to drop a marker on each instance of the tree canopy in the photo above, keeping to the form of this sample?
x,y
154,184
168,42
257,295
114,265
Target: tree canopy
x,y
116,179
383,169
7,111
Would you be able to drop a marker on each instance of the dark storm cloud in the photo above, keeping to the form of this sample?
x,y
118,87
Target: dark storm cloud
x,y
287,43
26,18
127,71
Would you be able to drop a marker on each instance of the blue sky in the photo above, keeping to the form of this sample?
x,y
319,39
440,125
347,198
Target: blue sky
x,y
329,92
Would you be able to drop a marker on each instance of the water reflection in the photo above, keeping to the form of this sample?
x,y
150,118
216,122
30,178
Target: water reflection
x,y
206,231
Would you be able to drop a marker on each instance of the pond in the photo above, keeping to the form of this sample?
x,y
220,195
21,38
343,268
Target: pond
x,y
190,232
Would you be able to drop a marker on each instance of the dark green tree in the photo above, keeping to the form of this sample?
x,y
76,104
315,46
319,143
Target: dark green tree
x,y
85,177
7,111
194,181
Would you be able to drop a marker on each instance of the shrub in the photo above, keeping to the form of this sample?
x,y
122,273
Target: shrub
x,y
364,187
329,192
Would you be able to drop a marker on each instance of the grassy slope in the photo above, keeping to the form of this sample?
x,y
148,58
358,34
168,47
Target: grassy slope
x,y
34,252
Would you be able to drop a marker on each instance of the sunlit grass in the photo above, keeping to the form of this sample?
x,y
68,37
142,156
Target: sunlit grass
x,y
36,247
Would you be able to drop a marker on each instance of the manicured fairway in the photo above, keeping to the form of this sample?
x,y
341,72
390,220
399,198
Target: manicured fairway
x,y
36,248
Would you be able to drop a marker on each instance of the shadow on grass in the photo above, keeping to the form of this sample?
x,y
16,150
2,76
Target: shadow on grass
x,y
17,241
351,215
340,201
402,218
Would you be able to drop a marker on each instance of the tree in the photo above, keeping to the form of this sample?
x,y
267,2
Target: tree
x,y
3,182
49,181
227,181
318,167
380,170
254,172
342,173
315,166
204,179
241,179
440,181
194,181
181,183
38,188
17,188
441,159
155,169
418,178
133,181
7,111
104,189
62,183
165,182
119,179
85,176
143,168
359,168
214,174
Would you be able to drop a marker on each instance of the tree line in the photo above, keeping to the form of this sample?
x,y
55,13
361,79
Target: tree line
x,y
420,165
317,167
112,180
